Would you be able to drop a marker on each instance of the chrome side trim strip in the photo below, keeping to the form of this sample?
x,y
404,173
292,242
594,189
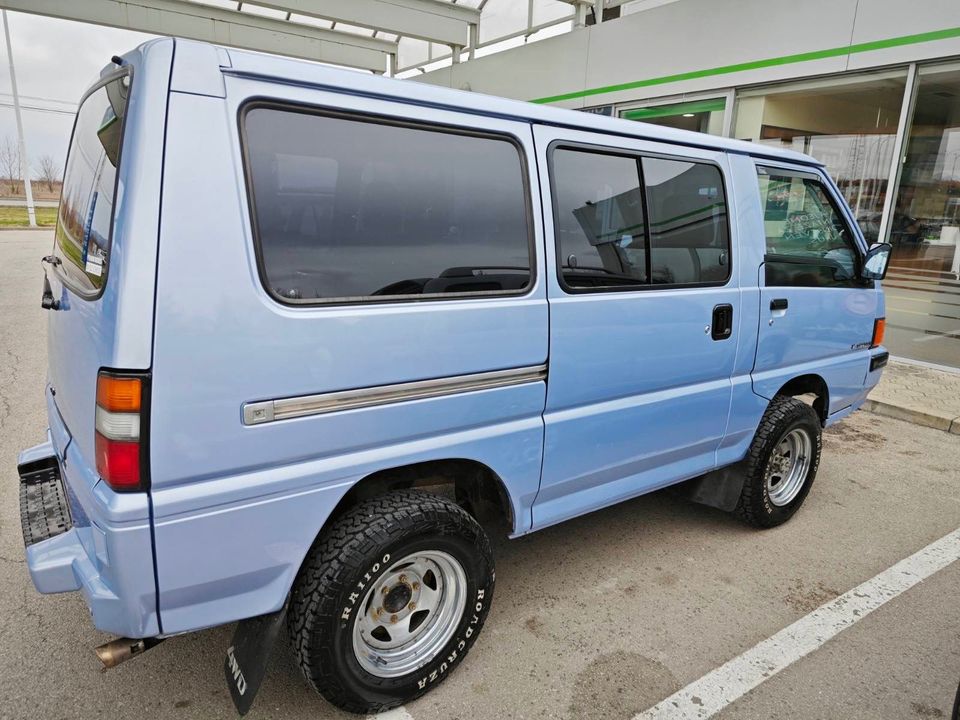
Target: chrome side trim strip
x,y
256,413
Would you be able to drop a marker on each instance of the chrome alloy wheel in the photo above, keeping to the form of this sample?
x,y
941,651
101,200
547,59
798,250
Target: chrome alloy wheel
x,y
788,466
410,614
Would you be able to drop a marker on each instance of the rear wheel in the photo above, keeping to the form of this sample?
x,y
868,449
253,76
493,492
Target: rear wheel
x,y
390,599
781,464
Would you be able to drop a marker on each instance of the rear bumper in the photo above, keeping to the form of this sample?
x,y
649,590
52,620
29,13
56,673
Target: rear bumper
x,y
66,551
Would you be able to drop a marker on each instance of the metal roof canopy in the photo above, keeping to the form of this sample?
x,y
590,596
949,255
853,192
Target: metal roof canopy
x,y
430,20
250,31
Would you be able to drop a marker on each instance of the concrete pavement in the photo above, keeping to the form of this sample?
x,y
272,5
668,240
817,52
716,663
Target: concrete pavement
x,y
919,394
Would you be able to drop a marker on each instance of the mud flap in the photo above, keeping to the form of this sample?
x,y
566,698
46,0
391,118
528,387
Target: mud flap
x,y
246,662
720,488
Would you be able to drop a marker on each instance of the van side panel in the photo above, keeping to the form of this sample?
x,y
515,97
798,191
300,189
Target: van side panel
x,y
237,506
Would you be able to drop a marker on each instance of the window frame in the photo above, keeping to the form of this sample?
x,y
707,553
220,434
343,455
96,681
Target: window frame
x,y
257,103
852,228
123,71
637,156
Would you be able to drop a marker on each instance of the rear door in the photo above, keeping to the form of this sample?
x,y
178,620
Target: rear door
x,y
103,259
639,252
101,275
816,316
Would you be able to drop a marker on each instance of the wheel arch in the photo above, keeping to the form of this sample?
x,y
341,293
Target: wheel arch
x,y
810,384
473,484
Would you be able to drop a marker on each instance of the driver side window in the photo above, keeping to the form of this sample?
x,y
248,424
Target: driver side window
x,y
808,244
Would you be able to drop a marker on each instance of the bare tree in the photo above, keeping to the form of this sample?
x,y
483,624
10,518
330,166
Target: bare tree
x,y
10,164
49,171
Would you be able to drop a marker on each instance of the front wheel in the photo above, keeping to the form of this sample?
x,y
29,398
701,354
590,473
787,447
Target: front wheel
x,y
781,464
390,599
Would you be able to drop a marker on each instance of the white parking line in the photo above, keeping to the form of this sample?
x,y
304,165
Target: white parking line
x,y
710,694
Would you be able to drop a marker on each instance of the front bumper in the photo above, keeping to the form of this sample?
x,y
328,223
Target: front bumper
x,y
66,551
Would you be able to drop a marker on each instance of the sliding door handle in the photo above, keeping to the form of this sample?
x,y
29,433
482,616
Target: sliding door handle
x,y
779,304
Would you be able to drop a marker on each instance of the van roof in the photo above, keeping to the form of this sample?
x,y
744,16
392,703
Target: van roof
x,y
254,64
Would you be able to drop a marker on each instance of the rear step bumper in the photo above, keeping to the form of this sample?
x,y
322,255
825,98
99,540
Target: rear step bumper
x,y
55,556
44,512
65,551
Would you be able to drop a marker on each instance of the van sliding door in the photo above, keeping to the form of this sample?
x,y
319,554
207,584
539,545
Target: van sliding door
x,y
644,317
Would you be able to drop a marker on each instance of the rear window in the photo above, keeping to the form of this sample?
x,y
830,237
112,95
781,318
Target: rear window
x,y
89,184
349,209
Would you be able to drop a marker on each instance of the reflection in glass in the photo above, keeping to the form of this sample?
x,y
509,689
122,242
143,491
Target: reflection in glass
x,y
848,123
354,209
688,223
923,284
807,242
599,219
86,204
925,230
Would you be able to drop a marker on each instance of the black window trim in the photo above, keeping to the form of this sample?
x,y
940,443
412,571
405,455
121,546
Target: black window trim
x,y
834,201
638,155
260,102
124,71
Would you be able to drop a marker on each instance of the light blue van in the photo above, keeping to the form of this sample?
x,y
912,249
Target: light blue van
x,y
306,325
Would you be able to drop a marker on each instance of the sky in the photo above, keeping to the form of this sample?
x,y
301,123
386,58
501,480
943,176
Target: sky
x,y
55,60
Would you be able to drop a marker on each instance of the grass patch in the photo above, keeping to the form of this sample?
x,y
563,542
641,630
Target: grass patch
x,y
15,217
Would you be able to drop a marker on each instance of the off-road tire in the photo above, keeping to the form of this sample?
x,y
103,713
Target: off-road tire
x,y
783,415
348,556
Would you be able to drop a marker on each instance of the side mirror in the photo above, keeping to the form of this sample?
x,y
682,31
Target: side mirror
x,y
875,261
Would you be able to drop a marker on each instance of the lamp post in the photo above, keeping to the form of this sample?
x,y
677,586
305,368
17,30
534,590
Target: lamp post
x,y
24,162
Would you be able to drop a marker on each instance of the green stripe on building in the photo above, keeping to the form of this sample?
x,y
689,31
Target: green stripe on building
x,y
758,64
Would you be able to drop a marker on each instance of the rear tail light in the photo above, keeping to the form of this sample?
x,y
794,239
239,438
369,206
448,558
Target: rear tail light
x,y
879,327
120,441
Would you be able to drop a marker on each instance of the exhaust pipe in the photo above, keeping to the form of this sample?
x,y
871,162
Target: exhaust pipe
x,y
120,650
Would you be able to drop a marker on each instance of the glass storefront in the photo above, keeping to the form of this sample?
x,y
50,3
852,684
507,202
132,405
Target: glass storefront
x,y
849,124
923,283
704,116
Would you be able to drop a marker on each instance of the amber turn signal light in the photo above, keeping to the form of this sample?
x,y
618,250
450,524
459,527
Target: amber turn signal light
x,y
117,393
879,327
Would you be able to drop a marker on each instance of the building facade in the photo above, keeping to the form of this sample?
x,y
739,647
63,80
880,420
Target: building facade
x,y
869,87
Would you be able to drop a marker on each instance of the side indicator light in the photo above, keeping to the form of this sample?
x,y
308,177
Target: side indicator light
x,y
879,328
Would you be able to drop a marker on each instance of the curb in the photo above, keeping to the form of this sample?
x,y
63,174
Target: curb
x,y
917,417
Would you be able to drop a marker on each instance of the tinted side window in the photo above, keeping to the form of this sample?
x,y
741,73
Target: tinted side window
x,y
85,216
689,241
808,243
353,209
598,207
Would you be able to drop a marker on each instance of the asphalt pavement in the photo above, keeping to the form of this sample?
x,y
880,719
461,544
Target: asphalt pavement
x,y
600,617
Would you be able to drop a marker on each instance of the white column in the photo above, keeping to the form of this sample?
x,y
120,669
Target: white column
x,y
24,161
598,11
899,148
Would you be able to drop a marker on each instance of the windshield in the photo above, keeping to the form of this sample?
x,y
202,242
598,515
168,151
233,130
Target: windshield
x,y
86,205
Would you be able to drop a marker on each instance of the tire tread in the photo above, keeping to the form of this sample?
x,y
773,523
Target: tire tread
x,y
344,549
782,412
